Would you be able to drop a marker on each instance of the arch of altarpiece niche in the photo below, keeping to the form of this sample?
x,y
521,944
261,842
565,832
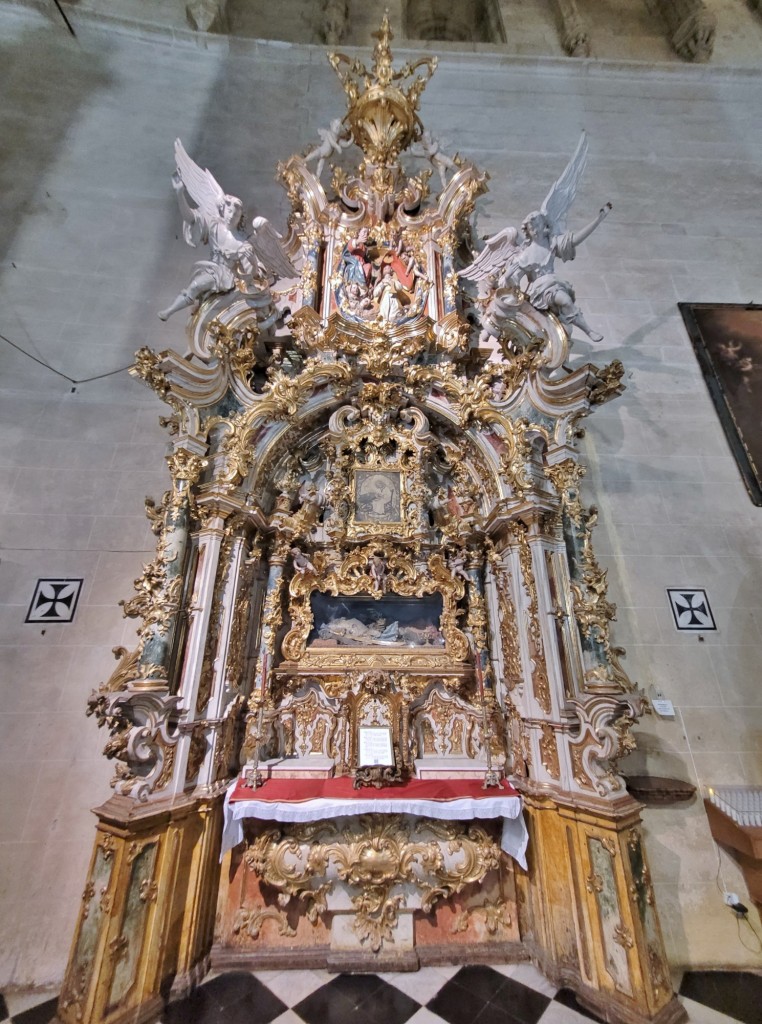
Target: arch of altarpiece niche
x,y
307,432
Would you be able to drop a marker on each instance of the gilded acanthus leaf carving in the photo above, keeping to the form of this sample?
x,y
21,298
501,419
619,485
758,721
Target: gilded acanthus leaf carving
x,y
549,751
497,916
594,612
608,383
148,368
156,513
507,623
251,921
157,599
540,681
372,856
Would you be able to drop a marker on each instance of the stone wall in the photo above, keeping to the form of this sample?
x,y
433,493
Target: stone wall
x,y
91,247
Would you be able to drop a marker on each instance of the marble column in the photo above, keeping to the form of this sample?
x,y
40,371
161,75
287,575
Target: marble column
x,y
160,599
209,543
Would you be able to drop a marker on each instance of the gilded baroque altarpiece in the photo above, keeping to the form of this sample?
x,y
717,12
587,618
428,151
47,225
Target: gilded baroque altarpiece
x,y
374,521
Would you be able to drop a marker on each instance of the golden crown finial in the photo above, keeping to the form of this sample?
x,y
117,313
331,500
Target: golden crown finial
x,y
382,53
381,109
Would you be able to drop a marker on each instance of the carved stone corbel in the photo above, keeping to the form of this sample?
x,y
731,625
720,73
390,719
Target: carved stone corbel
x,y
207,15
575,36
691,27
335,19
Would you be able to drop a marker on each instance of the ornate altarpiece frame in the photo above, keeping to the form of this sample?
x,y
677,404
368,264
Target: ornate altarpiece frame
x,y
272,417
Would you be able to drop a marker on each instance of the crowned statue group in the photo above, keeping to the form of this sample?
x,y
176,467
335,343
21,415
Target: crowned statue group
x,y
380,277
374,570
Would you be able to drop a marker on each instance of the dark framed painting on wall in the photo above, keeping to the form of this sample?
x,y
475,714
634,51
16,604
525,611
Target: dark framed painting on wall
x,y
727,340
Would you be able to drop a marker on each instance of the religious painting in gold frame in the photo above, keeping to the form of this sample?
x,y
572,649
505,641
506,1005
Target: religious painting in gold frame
x,y
727,340
377,497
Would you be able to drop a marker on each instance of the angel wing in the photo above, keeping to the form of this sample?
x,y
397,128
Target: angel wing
x,y
268,248
492,259
558,201
201,186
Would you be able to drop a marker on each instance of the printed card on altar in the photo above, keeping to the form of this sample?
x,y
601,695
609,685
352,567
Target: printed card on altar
x,y
375,746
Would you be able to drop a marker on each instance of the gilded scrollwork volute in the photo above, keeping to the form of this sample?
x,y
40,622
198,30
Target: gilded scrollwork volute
x,y
374,858
600,737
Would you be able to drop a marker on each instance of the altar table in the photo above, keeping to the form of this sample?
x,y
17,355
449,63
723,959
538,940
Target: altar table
x,y
297,800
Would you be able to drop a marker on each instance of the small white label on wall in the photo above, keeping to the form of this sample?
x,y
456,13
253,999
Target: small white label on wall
x,y
664,708
690,609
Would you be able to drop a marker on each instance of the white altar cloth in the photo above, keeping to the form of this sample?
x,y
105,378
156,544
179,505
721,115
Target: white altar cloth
x,y
489,804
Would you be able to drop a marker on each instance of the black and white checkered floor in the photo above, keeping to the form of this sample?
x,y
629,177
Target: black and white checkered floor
x,y
511,994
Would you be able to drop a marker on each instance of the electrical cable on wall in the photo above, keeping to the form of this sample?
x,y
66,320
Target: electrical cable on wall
x,y
59,373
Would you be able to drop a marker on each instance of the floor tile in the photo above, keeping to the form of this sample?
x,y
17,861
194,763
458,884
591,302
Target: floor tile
x,y
566,997
424,1016
26,998
456,1004
482,981
293,986
420,985
521,1002
233,986
42,1013
236,997
388,1005
197,1007
268,976
495,1014
289,1017
250,1011
557,1013
356,987
326,1006
449,970
700,1014
737,994
528,975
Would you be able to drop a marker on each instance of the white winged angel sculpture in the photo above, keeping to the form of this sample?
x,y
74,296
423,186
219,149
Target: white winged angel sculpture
x,y
215,219
510,261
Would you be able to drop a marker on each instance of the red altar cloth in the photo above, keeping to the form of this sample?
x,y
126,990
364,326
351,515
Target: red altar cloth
x,y
300,800
298,790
